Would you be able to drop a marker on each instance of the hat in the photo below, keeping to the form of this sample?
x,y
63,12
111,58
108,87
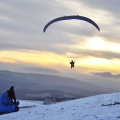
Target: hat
x,y
11,88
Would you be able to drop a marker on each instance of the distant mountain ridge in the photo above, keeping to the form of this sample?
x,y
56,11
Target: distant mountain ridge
x,y
29,83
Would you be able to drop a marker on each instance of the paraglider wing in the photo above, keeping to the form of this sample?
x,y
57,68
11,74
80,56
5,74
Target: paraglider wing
x,y
72,17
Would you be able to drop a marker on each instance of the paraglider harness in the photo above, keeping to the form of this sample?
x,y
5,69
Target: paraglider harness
x,y
72,64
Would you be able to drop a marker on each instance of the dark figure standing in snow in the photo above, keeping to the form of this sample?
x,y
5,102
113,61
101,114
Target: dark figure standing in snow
x,y
11,94
72,64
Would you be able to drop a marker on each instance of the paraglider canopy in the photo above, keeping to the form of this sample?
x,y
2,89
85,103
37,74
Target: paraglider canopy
x,y
77,17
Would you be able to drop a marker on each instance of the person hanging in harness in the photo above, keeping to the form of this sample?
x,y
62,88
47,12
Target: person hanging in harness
x,y
72,64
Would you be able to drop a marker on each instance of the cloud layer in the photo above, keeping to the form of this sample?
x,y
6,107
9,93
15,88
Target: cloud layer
x,y
22,23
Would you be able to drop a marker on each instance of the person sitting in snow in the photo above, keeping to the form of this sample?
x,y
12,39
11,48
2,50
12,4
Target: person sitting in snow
x,y
8,101
11,94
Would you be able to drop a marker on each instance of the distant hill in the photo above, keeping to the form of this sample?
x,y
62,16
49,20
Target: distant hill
x,y
27,84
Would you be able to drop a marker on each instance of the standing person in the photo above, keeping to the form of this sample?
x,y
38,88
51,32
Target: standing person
x,y
72,64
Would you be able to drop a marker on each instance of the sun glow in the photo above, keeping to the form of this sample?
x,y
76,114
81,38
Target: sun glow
x,y
98,43
48,59
32,57
99,64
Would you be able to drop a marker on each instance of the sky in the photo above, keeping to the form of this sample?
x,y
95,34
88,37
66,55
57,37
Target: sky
x,y
24,47
89,108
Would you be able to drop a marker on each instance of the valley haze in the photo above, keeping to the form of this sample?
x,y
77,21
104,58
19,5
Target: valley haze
x,y
29,84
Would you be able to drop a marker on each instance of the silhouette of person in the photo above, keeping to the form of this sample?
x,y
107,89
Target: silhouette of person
x,y
72,64
11,94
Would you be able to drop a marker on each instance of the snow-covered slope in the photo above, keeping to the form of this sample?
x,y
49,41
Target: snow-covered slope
x,y
90,108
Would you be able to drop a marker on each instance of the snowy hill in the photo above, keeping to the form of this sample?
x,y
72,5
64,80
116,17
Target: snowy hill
x,y
90,108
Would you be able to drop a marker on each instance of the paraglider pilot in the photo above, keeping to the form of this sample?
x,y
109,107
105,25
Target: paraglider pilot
x,y
72,64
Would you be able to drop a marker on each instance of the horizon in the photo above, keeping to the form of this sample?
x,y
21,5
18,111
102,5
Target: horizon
x,y
105,81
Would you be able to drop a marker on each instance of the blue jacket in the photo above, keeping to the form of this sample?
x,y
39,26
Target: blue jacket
x,y
6,104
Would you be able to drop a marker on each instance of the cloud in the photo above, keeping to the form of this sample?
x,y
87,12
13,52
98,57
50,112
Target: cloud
x,y
95,53
22,23
28,68
109,25
8,46
41,70
107,74
26,19
107,5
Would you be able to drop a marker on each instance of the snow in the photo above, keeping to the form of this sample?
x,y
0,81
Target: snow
x,y
89,108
